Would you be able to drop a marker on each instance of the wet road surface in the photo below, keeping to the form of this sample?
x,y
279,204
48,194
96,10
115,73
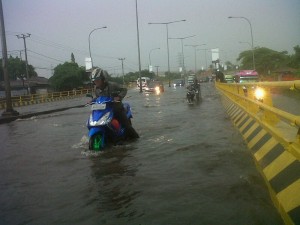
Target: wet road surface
x,y
190,166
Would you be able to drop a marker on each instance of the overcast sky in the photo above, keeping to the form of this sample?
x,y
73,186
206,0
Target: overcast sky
x,y
61,27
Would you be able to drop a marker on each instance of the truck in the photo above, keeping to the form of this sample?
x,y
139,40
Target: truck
x,y
246,76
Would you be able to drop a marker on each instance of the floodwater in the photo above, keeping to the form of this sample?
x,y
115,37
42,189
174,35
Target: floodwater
x,y
190,166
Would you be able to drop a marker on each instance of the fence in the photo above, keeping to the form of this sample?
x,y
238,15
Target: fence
x,y
40,98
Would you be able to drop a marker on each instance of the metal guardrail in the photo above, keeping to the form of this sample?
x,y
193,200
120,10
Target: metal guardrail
x,y
244,95
273,137
40,98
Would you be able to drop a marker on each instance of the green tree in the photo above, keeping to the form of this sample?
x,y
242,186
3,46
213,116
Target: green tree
x,y
295,59
133,76
172,75
229,65
17,69
72,58
265,59
68,76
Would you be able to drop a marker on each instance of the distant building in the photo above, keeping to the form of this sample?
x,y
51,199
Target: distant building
x,y
36,85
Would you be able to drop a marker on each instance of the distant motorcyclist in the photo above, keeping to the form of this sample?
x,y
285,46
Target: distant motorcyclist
x,y
105,88
194,85
193,90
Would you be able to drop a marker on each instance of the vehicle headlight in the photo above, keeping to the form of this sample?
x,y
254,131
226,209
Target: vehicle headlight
x,y
157,89
259,93
102,121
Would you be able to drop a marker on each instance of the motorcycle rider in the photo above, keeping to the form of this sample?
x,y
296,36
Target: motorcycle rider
x,y
103,87
193,89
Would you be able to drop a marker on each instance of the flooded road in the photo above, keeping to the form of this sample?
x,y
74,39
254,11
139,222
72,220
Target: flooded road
x,y
190,166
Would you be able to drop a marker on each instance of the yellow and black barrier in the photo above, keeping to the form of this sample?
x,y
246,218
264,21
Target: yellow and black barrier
x,y
273,137
24,100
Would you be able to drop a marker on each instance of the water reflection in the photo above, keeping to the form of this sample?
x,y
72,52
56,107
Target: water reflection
x,y
113,172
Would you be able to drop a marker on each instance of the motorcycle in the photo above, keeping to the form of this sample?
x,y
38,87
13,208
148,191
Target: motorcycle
x,y
191,94
103,127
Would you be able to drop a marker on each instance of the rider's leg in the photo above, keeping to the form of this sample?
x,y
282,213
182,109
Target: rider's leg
x,y
120,115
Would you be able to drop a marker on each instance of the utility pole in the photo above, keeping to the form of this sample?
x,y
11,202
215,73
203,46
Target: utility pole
x,y
9,109
157,71
122,59
24,36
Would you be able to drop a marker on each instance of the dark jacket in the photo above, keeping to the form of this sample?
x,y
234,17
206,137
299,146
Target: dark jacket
x,y
111,89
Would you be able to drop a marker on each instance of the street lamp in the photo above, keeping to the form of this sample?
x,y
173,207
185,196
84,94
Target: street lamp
x,y
150,56
195,46
167,23
181,39
90,42
138,44
241,17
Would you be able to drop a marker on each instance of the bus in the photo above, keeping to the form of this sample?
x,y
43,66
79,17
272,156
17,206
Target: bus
x,y
246,76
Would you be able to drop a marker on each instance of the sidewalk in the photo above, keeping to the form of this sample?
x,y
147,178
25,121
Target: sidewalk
x,y
43,108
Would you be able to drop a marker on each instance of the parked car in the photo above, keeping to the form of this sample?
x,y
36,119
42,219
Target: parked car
x,y
178,83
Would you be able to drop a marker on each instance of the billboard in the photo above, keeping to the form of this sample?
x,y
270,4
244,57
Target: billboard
x,y
88,63
215,54
150,68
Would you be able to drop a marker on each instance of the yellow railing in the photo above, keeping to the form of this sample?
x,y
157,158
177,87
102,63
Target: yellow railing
x,y
273,138
285,126
39,98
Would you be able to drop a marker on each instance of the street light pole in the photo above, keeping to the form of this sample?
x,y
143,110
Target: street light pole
x,y
90,42
9,109
138,43
241,17
167,23
181,39
195,46
150,56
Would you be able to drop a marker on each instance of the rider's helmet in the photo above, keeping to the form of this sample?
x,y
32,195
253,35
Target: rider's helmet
x,y
99,74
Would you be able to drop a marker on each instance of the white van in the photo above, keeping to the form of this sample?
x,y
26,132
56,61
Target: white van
x,y
145,81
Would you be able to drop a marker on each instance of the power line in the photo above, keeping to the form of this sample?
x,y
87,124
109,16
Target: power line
x,y
46,42
42,68
46,56
40,40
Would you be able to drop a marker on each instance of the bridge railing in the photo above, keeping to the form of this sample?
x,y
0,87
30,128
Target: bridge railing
x,y
45,97
272,136
263,109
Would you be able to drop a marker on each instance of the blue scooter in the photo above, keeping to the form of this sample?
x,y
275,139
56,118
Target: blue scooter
x,y
103,127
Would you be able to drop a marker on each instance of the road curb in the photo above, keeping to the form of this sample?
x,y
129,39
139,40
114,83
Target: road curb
x,y
8,119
